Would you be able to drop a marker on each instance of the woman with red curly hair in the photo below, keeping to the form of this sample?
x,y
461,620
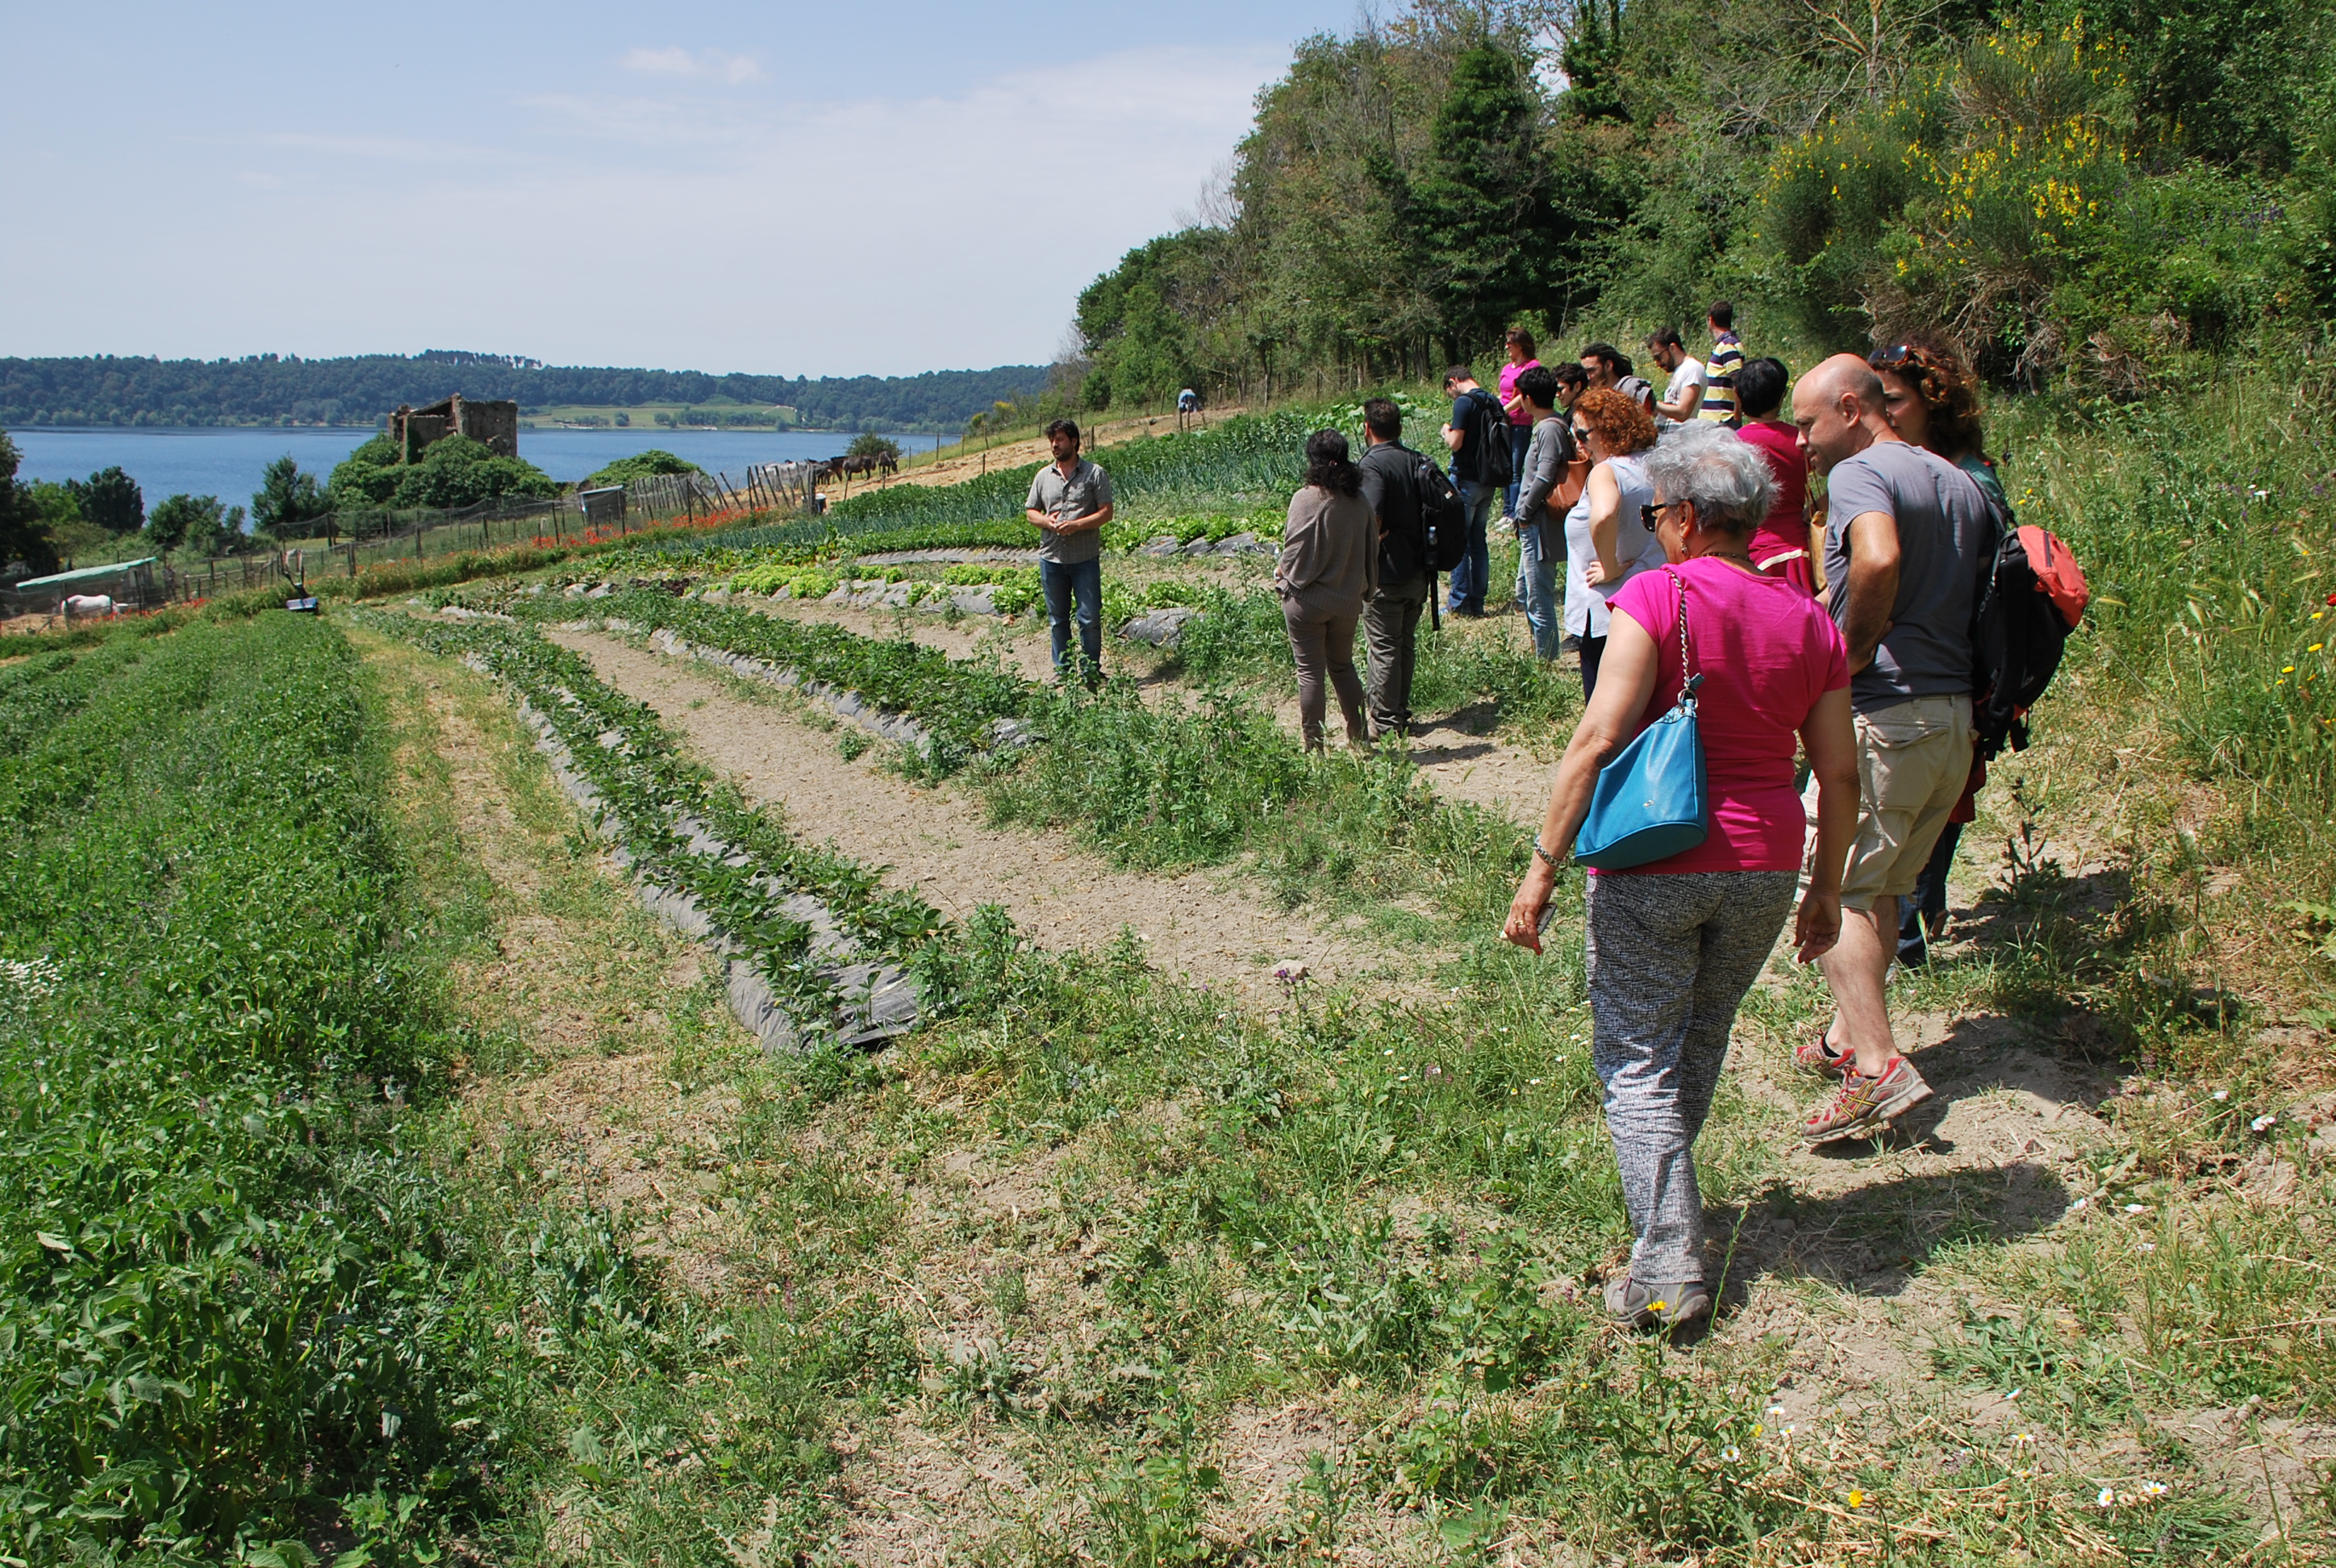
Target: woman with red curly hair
x,y
1608,540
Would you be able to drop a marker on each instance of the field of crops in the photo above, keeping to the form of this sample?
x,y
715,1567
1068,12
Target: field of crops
x,y
649,1057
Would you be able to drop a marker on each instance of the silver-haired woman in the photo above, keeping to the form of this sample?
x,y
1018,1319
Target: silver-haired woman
x,y
1674,945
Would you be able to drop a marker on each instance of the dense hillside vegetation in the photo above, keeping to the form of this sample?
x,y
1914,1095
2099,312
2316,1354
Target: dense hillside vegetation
x,y
269,389
2093,194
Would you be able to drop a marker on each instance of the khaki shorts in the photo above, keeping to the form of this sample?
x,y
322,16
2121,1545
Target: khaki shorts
x,y
1913,759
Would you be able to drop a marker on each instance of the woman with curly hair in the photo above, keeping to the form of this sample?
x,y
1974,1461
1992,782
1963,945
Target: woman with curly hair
x,y
1327,568
1608,539
1932,398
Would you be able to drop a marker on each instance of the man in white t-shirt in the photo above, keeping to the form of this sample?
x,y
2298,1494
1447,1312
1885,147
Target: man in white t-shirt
x,y
1682,400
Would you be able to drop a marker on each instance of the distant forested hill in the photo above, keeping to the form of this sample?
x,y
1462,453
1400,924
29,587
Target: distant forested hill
x,y
267,389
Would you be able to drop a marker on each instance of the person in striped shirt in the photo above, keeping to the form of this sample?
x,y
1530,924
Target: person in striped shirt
x,y
1720,404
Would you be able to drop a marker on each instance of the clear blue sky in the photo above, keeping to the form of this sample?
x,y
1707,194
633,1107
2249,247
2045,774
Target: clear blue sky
x,y
777,187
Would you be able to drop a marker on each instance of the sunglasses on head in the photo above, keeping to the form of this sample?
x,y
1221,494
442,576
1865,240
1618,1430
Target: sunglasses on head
x,y
1884,358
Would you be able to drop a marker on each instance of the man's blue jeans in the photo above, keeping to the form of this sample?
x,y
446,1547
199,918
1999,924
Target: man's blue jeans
x,y
1537,564
1468,579
1081,582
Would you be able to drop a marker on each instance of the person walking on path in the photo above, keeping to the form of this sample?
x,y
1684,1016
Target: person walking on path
x,y
1478,435
1780,545
1682,400
1932,400
1328,566
1720,400
1905,531
1542,502
1070,502
1391,615
1609,537
1522,358
1672,946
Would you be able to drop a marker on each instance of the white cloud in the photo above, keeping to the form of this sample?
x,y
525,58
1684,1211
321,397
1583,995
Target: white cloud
x,y
708,64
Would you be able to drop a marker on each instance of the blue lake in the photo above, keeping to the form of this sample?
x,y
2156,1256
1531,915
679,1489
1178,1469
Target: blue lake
x,y
228,463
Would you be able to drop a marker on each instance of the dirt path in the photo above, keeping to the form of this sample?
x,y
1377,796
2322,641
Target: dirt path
x,y
937,842
591,1011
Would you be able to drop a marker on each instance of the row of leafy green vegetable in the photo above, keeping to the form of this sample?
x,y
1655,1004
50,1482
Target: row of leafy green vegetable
x,y
230,1297
650,793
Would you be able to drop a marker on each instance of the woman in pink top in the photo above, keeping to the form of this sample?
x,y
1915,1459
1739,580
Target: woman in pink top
x,y
1520,359
1674,945
1780,545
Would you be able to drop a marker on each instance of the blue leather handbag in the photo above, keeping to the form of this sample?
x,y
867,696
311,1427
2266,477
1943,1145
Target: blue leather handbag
x,y
1650,802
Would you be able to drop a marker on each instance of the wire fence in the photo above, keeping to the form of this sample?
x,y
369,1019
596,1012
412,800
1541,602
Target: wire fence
x,y
349,541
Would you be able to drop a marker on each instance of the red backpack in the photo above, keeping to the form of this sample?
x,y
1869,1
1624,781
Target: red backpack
x,y
2028,606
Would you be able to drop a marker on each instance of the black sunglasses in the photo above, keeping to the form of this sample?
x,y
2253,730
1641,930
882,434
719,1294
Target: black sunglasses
x,y
1898,355
1649,513
1580,433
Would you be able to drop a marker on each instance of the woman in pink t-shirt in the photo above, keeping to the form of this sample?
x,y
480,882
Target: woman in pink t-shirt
x,y
1520,359
1780,545
1674,945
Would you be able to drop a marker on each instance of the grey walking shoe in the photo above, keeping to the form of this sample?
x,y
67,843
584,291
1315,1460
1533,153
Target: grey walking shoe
x,y
1640,1306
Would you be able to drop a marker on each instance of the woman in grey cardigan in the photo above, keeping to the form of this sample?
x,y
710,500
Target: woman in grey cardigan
x,y
1328,567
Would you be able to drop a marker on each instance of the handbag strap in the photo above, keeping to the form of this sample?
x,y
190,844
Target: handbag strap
x,y
1689,679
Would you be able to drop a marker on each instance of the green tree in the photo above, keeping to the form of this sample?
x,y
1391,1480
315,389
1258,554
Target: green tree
x,y
1481,208
644,464
874,445
194,527
111,500
24,533
287,498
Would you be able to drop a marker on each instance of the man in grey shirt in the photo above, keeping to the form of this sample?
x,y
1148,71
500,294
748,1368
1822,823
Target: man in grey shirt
x,y
1906,535
1070,502
1549,396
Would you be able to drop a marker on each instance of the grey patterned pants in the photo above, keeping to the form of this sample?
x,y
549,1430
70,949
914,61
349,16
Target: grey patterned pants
x,y
1671,957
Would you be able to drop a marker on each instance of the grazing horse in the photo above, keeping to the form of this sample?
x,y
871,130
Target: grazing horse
x,y
889,463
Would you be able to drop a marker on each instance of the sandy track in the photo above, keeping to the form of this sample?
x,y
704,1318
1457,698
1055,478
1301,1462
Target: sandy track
x,y
936,841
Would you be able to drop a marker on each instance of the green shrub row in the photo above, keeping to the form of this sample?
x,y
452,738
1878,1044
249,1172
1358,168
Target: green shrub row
x,y
957,701
230,1303
653,795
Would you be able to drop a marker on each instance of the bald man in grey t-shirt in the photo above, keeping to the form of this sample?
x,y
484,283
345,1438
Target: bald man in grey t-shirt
x,y
1906,533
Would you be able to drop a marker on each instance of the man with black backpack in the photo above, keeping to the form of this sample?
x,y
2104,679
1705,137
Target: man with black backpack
x,y
1391,614
1478,437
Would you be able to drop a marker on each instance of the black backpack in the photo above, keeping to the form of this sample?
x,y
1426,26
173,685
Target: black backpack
x,y
1488,429
1443,518
2029,601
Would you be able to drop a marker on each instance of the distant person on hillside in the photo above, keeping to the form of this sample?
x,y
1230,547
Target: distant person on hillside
x,y
1932,400
1607,365
1609,536
1478,435
1720,400
1551,486
1324,574
1522,358
1682,400
1904,533
1070,502
1780,546
1391,616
